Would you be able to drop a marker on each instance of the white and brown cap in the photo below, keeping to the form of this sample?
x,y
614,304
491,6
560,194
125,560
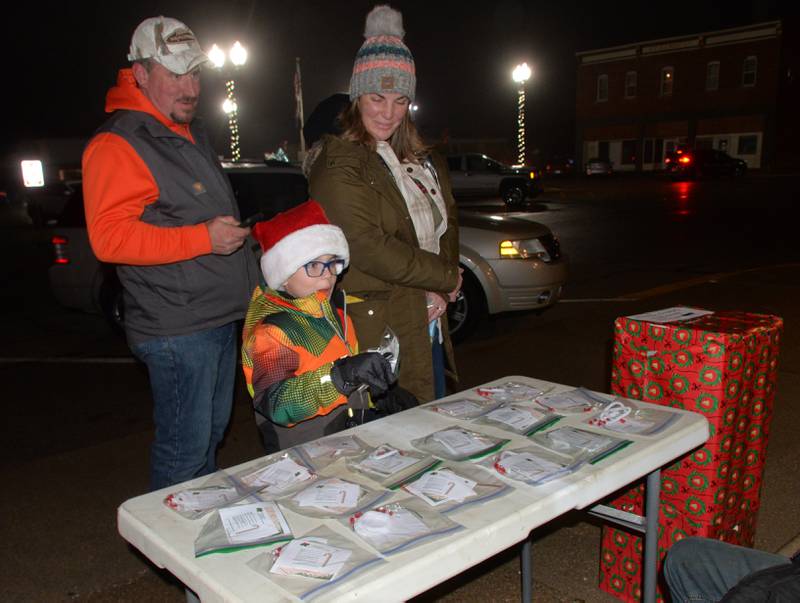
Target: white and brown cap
x,y
168,42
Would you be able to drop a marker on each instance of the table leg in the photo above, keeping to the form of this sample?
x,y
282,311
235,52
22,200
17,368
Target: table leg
x,y
652,492
525,562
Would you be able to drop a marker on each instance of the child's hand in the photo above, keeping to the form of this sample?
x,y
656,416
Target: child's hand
x,y
368,368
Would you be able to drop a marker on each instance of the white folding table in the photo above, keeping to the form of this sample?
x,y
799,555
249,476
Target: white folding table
x,y
167,539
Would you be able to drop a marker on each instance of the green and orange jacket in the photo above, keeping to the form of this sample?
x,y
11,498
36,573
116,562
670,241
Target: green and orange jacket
x,y
289,346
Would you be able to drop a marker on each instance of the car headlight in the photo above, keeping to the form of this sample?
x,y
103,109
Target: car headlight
x,y
528,248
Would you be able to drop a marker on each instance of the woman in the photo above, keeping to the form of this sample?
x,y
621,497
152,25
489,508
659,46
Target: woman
x,y
394,204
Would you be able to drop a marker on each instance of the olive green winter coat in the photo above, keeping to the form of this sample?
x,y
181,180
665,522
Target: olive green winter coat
x,y
388,270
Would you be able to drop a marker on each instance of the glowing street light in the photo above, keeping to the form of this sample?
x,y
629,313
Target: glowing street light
x,y
238,57
520,75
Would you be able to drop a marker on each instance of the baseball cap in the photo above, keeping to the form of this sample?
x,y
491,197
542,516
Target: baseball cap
x,y
168,42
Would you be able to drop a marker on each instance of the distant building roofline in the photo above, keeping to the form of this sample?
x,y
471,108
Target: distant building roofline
x,y
746,33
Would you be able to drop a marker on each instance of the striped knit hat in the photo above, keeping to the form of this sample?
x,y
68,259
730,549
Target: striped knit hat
x,y
384,63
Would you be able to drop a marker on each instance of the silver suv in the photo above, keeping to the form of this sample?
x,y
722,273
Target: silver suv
x,y
509,263
477,174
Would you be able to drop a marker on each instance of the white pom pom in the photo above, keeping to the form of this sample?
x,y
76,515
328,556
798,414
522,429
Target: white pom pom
x,y
383,20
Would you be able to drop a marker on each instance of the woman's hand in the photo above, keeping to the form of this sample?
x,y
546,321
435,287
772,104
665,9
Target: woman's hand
x,y
437,305
454,293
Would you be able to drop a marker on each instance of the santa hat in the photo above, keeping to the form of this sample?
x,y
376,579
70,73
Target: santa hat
x,y
295,237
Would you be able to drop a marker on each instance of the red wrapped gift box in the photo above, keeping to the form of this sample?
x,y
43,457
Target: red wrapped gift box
x,y
724,366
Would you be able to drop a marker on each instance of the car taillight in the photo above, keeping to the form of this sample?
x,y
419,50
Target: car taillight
x,y
685,159
667,160
60,255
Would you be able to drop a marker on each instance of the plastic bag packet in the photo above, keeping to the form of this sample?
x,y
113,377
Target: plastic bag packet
x,y
532,465
458,444
396,526
219,491
313,564
463,408
278,476
454,486
519,418
390,466
628,417
242,526
511,391
333,497
320,453
579,444
389,348
574,401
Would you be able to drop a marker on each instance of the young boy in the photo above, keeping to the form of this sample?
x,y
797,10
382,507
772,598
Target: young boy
x,y
300,352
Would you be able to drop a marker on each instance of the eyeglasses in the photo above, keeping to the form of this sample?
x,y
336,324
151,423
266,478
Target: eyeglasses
x,y
316,268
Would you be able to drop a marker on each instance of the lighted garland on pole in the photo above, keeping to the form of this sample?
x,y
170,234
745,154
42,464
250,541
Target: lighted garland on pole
x,y
520,75
521,126
238,57
233,121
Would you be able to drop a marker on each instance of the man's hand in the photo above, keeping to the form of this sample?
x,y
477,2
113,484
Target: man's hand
x,y
454,293
226,235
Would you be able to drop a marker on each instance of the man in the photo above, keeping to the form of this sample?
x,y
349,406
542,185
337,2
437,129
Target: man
x,y
159,206
705,570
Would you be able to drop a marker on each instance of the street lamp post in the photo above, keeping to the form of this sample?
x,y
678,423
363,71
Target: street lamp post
x,y
520,75
238,57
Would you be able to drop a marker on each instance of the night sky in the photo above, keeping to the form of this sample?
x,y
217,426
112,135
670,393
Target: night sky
x,y
64,56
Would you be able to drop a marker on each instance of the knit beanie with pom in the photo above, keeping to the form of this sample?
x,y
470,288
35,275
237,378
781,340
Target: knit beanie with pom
x,y
384,63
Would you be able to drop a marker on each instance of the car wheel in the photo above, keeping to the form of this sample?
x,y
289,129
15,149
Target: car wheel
x,y
469,309
513,194
110,300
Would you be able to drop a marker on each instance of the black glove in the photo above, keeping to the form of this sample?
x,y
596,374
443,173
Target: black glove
x,y
367,368
395,400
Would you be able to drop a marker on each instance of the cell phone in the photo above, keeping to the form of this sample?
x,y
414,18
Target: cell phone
x,y
251,220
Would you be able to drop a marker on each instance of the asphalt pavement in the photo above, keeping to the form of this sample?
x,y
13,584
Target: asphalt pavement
x,y
65,469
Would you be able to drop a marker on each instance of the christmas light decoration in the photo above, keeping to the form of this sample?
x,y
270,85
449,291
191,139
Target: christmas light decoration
x,y
520,75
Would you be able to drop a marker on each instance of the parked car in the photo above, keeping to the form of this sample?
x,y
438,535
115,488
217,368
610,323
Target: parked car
x,y
597,166
509,263
559,166
477,174
701,163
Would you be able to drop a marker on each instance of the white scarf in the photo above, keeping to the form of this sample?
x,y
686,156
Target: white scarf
x,y
410,177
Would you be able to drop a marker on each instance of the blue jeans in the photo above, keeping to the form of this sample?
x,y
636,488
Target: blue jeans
x,y
704,569
192,379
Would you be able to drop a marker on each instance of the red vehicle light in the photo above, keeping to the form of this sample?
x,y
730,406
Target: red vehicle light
x,y
667,160
60,249
685,159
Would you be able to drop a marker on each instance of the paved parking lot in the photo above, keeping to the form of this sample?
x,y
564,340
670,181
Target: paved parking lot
x,y
77,429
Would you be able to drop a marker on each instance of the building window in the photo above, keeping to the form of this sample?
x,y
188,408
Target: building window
x,y
628,152
749,68
602,88
667,77
630,84
748,145
706,142
712,75
648,151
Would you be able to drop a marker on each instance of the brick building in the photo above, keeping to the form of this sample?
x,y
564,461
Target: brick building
x,y
716,89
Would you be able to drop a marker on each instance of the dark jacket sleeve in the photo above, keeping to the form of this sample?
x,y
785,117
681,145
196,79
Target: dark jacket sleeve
x,y
779,584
